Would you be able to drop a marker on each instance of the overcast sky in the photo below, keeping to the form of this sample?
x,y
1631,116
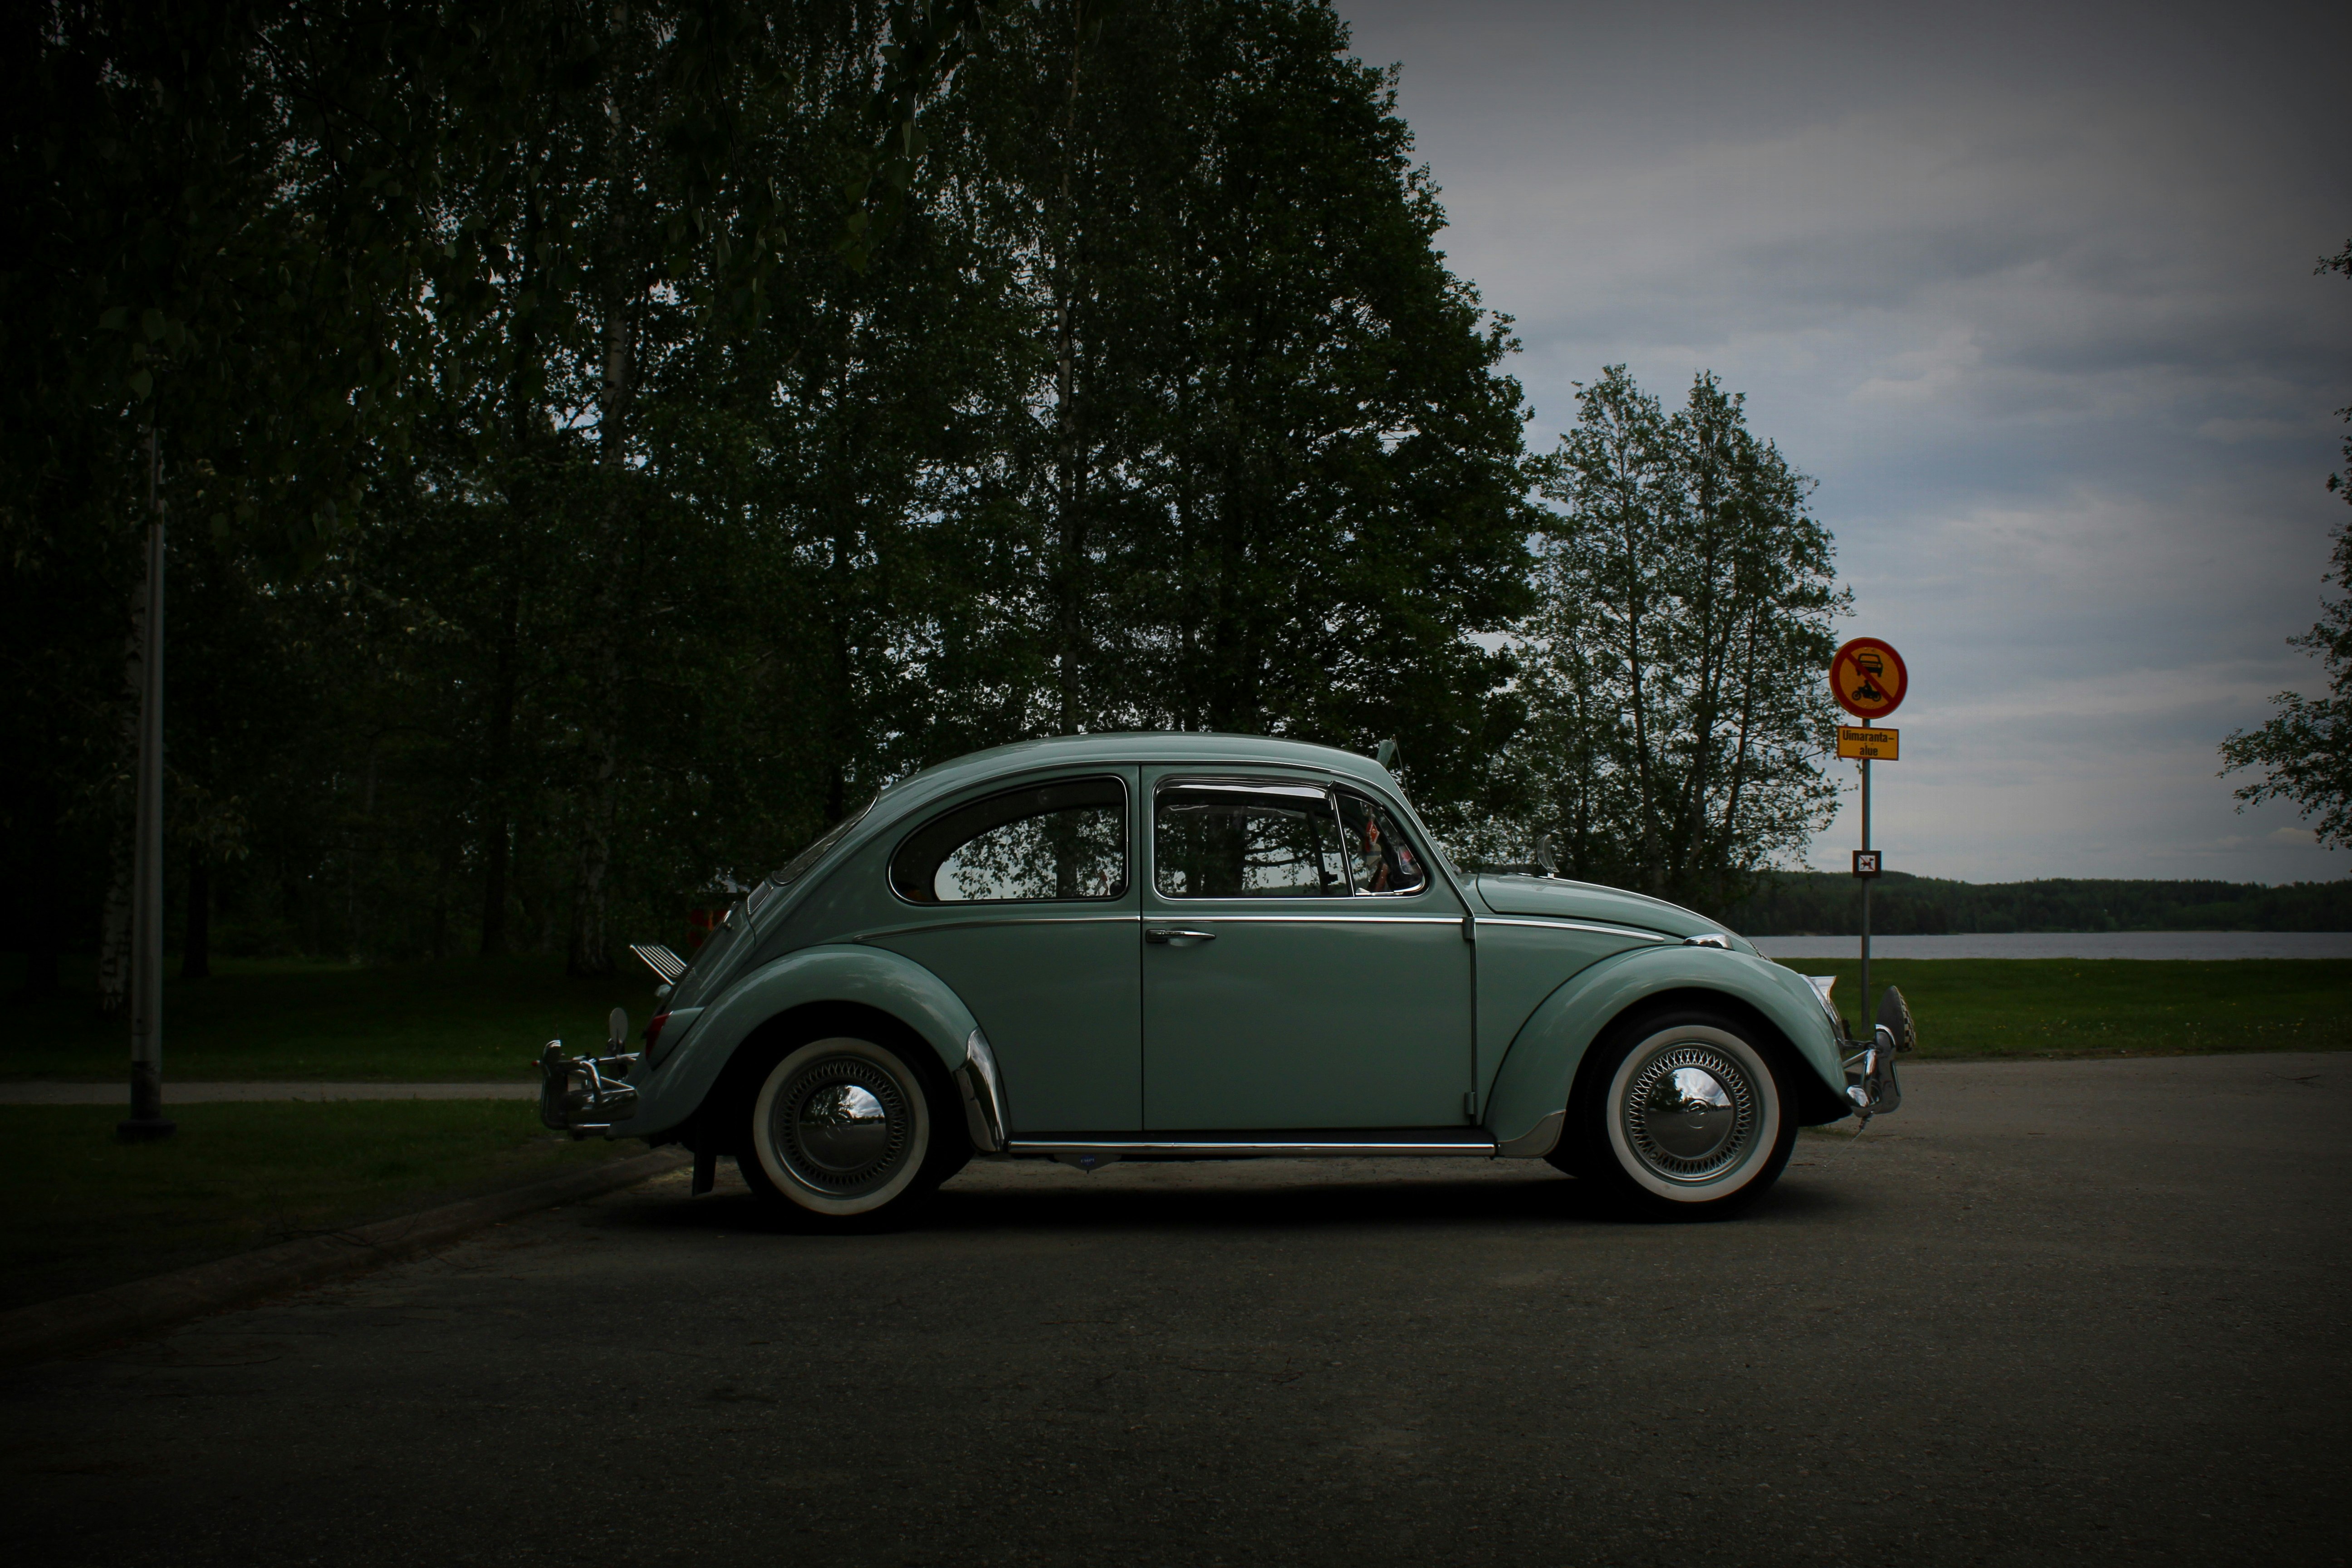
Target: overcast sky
x,y
2028,289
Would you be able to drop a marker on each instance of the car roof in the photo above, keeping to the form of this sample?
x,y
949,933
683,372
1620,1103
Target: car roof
x,y
1191,747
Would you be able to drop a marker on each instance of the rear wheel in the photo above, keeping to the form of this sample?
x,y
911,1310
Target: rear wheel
x,y
1681,1116
845,1131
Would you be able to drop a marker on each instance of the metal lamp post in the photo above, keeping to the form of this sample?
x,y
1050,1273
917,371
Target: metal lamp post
x,y
147,1121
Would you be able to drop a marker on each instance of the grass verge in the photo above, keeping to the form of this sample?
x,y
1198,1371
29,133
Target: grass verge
x,y
458,1020
1994,1008
86,1212
473,1019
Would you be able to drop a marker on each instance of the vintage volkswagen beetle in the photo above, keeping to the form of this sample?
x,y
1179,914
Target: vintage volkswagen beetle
x,y
1173,946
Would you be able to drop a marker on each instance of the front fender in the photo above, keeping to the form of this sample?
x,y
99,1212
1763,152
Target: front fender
x,y
865,976
1540,1068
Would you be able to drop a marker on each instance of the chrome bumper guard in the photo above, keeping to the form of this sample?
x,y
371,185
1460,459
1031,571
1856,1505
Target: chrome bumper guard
x,y
581,1095
1870,1081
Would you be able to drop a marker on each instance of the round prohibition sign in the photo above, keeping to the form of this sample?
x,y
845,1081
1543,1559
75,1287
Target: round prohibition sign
x,y
1867,677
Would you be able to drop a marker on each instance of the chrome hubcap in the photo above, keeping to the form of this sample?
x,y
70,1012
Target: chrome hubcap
x,y
841,1125
1690,1112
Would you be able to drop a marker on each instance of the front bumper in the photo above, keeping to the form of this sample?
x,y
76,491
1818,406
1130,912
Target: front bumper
x,y
1871,1087
585,1095
1869,1082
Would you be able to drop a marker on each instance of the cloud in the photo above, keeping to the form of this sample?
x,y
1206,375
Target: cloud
x,y
2027,289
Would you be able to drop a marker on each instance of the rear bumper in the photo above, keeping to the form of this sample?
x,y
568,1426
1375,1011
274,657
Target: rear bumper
x,y
585,1095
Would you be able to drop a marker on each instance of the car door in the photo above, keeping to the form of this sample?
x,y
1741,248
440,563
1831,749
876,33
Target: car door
x,y
1022,900
1282,988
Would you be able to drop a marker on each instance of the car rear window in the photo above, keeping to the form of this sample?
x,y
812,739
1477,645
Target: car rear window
x,y
1054,841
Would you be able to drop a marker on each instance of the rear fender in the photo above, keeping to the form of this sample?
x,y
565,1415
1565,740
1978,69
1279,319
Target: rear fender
x,y
1539,1069
836,973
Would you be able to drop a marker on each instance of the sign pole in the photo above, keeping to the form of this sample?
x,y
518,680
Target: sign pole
x,y
1869,680
1866,881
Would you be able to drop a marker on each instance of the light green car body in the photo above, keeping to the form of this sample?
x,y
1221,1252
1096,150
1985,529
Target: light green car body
x,y
1469,1004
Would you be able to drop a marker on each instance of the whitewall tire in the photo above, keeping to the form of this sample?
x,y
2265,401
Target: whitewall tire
x,y
1683,1117
840,1128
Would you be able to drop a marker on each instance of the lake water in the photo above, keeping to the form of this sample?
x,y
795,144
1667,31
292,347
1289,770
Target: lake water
x,y
2062,945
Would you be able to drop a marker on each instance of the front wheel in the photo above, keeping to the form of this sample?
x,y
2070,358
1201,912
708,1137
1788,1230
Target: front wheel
x,y
844,1131
1680,1117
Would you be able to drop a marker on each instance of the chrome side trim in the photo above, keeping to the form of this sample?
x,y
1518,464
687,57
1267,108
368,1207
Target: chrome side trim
x,y
1246,1149
984,1096
1128,919
1335,916
1538,1141
1574,925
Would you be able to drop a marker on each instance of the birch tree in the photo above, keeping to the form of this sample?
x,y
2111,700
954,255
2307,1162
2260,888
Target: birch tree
x,y
1678,715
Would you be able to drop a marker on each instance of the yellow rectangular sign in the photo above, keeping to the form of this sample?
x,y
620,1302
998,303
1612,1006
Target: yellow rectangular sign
x,y
1872,745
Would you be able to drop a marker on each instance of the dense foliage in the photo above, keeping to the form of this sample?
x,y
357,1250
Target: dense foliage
x,y
1676,711
2304,750
604,441
1817,903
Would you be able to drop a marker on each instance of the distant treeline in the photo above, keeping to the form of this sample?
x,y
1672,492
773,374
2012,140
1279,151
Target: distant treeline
x,y
1802,903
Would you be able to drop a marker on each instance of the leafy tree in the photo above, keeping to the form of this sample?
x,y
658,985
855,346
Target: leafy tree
x,y
1673,672
2306,748
1269,479
617,438
176,270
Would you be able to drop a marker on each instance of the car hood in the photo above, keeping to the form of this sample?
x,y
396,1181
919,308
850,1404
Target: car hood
x,y
1562,899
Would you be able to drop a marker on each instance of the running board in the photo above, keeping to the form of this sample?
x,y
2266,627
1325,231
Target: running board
x,y
1275,1145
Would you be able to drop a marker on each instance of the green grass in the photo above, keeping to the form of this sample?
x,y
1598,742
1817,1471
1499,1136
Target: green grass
x,y
456,1020
474,1020
1986,1008
86,1212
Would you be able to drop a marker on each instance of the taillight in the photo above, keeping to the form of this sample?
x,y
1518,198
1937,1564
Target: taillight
x,y
654,1028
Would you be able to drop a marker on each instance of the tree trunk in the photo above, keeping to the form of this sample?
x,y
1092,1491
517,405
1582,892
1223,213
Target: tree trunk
x,y
590,953
497,825
525,421
449,868
1070,543
39,911
114,944
196,944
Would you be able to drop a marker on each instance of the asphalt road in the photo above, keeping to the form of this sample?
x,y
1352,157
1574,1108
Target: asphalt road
x,y
2048,1312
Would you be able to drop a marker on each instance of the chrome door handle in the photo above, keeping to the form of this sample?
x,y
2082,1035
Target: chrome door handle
x,y
1177,936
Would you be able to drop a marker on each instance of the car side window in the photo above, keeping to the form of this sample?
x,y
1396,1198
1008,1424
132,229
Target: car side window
x,y
1055,841
1380,859
1225,839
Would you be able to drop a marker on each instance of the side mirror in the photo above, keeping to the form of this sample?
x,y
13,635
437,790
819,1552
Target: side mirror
x,y
1547,856
1385,754
618,1024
